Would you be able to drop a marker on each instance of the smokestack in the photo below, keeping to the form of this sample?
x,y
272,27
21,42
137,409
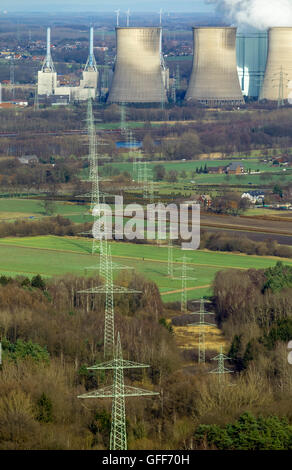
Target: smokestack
x,y
48,65
91,47
138,75
279,65
91,65
214,80
48,47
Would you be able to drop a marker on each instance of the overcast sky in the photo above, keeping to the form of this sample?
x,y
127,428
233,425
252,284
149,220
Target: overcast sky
x,y
103,5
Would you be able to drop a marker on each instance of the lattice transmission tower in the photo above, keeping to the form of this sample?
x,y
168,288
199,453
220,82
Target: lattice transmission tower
x,y
109,289
118,391
36,106
202,330
282,79
170,271
184,280
221,370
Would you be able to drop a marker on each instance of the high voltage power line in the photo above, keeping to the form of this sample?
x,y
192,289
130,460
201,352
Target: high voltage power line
x,y
221,370
184,279
202,331
118,391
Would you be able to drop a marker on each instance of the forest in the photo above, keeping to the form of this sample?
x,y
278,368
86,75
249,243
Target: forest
x,y
50,335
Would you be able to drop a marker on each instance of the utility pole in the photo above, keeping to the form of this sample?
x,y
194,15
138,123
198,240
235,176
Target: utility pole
x,y
202,332
118,391
221,370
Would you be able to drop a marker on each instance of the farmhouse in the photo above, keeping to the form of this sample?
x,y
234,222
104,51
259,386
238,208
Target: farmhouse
x,y
216,170
205,199
255,197
234,168
28,159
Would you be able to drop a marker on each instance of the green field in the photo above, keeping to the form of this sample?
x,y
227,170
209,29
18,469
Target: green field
x,y
49,255
12,209
254,165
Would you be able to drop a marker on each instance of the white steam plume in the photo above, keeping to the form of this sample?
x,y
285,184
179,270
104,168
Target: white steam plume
x,y
259,14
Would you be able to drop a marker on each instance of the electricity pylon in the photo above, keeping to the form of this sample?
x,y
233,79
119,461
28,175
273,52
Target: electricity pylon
x,y
202,332
177,77
140,173
109,289
145,181
123,125
93,167
128,133
281,85
221,370
12,76
36,100
93,178
184,279
118,391
170,257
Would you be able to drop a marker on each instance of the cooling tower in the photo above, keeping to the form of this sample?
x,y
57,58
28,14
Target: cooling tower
x,y
279,65
214,79
138,75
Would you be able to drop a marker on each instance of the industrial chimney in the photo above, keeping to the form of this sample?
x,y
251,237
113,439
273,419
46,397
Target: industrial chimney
x,y
214,80
279,65
140,75
89,81
47,76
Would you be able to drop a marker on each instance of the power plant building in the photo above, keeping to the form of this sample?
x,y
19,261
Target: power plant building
x,y
278,74
214,80
140,75
48,84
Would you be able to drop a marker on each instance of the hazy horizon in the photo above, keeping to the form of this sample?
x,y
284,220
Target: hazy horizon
x,y
85,6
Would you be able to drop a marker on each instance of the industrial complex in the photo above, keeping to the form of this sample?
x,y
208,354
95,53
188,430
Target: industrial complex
x,y
226,67
48,84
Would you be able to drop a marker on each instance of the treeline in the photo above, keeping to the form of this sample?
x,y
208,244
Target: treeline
x,y
58,225
224,242
254,309
13,173
197,131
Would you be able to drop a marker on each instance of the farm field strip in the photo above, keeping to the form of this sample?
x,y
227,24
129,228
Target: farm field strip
x,y
146,252
49,255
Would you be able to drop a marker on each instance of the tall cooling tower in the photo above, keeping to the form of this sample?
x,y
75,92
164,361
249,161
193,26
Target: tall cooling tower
x,y
214,79
279,65
138,75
